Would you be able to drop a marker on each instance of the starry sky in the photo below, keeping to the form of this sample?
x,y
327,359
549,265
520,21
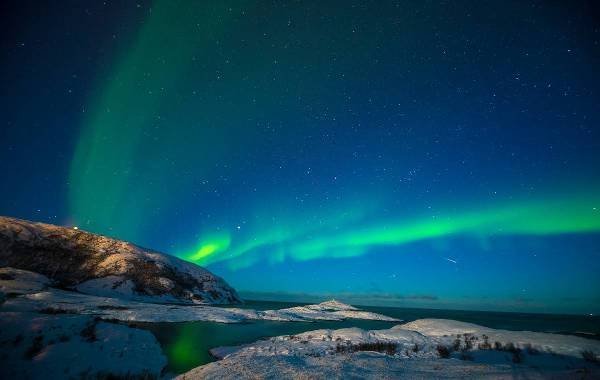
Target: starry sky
x,y
402,153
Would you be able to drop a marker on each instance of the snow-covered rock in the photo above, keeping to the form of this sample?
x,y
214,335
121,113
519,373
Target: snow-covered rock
x,y
332,305
16,281
102,266
37,296
447,331
409,351
325,312
49,332
61,346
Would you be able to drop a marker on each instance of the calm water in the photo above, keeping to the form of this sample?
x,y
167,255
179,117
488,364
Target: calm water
x,y
186,344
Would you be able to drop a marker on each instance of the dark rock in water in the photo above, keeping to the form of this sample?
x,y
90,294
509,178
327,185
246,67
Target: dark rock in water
x,y
99,265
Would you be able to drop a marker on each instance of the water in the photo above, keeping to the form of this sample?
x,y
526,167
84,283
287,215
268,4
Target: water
x,y
186,344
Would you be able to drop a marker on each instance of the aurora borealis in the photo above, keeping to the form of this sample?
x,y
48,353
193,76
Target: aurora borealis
x,y
545,218
427,154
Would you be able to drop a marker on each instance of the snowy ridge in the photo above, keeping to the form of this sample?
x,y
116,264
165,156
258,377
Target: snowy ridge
x,y
411,350
39,295
326,311
99,265
440,329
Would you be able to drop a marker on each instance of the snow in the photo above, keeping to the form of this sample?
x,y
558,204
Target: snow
x,y
334,354
324,312
74,346
43,335
555,343
16,281
123,288
102,266
109,286
360,365
38,295
332,305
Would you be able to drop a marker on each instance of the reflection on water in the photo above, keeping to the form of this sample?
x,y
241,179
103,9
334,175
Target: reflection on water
x,y
186,344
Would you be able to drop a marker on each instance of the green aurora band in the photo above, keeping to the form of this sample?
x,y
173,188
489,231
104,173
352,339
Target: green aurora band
x,y
552,217
126,152
126,146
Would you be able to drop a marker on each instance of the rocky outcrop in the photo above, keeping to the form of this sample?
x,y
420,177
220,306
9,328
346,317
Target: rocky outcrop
x,y
99,265
28,292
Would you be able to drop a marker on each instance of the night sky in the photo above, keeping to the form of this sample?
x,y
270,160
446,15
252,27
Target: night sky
x,y
413,153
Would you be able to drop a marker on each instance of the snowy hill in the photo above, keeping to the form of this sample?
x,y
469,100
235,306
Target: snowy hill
x,y
31,292
101,266
422,349
48,332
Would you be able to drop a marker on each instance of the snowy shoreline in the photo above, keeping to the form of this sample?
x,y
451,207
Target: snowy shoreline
x,y
49,332
33,292
60,333
426,348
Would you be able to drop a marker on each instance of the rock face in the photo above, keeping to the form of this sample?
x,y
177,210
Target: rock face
x,y
102,266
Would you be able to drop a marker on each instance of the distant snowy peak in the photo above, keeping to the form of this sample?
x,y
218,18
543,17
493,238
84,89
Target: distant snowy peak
x,y
99,265
332,305
329,311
